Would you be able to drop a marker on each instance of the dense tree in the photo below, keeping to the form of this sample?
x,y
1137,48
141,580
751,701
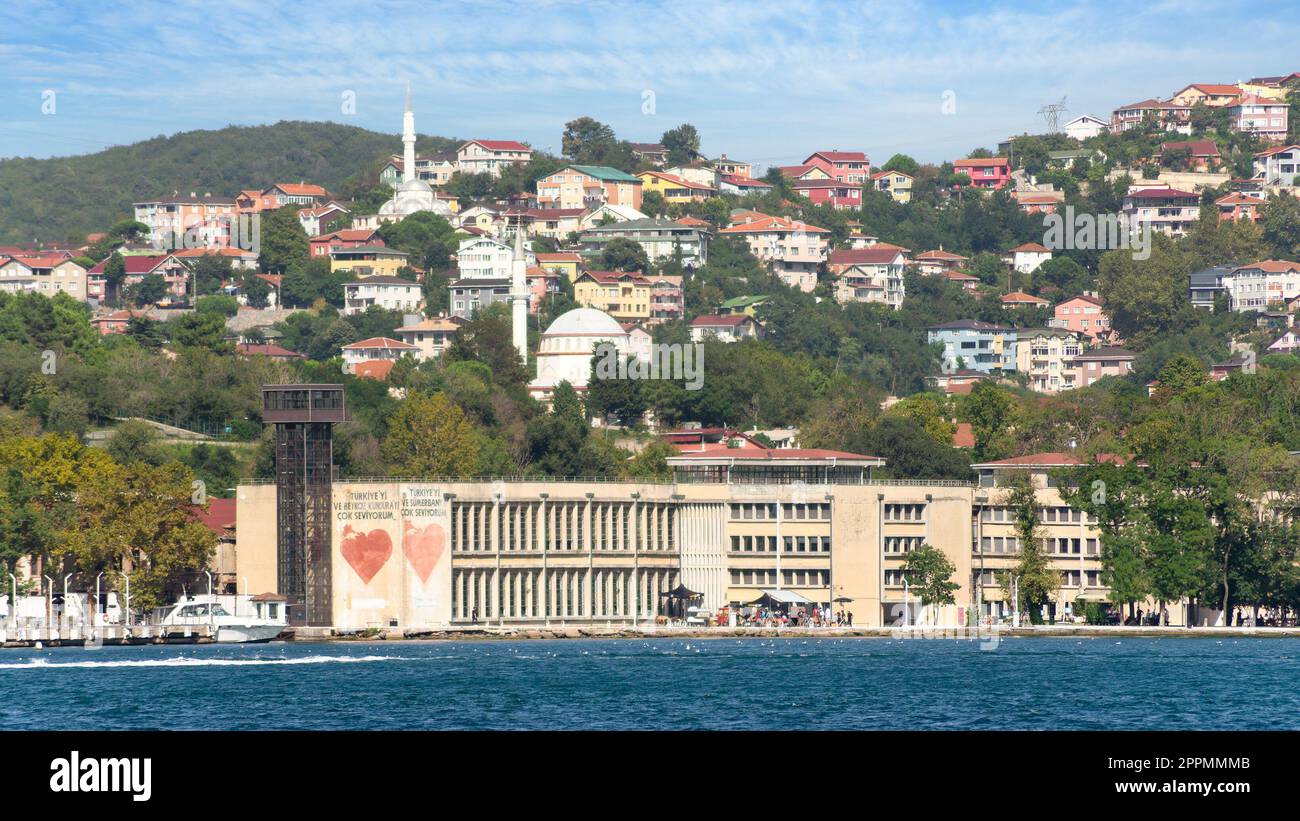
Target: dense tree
x,y
682,144
429,436
283,239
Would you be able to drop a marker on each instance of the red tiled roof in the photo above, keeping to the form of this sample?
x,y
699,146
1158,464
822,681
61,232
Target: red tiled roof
x,y
1160,193
767,224
963,436
219,516
1199,148
940,254
1216,88
501,145
616,276
729,320
377,369
381,342
839,156
1271,266
562,256
350,235
1030,248
871,255
134,263
301,189
981,162
1020,297
1081,297
1051,459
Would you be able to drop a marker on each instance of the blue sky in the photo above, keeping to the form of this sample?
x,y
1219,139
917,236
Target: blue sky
x,y
767,82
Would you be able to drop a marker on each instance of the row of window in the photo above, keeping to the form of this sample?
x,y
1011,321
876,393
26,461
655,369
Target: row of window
x,y
1069,578
524,526
1047,515
766,577
791,544
902,544
570,592
790,512
905,513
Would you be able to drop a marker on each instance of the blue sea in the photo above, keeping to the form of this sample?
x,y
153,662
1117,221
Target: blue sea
x,y
731,684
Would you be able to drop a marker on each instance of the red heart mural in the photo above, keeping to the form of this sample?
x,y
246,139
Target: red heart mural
x,y
366,552
423,547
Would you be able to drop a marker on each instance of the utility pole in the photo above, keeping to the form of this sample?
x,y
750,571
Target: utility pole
x,y
1052,115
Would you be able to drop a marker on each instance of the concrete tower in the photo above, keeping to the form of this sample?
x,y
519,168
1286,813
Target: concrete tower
x,y
408,139
519,294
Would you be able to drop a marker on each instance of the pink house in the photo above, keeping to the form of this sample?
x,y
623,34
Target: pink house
x,y
842,166
836,194
1082,314
985,172
542,283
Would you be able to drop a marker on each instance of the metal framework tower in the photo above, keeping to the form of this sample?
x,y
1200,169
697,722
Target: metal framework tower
x,y
1052,115
304,417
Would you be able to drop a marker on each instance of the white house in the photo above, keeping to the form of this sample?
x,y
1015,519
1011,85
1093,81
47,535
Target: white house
x,y
1081,128
377,348
1278,166
1256,286
490,156
1026,258
729,328
430,337
487,258
389,293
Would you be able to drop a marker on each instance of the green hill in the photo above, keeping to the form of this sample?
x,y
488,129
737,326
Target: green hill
x,y
64,198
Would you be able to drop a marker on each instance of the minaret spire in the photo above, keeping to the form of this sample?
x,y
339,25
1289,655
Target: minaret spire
x,y
519,296
408,139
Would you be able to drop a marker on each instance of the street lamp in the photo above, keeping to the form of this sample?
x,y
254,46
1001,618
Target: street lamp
x,y
128,602
63,614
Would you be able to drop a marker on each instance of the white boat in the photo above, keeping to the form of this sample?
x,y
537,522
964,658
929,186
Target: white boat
x,y
255,618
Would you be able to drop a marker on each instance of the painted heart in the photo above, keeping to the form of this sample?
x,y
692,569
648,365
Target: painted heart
x,y
366,552
423,547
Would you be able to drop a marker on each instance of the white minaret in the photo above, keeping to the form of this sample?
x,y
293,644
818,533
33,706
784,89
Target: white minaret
x,y
519,294
408,139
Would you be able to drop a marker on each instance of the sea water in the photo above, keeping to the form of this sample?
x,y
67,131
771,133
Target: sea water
x,y
1107,682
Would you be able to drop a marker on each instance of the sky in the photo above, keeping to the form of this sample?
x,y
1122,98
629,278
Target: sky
x,y
766,82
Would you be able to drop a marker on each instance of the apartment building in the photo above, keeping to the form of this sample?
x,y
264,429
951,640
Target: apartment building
x,y
188,220
621,294
661,239
367,260
43,274
1168,210
972,345
490,156
389,293
872,274
793,250
1261,285
1046,356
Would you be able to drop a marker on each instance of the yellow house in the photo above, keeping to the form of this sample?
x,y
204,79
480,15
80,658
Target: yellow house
x,y
897,184
674,188
622,295
368,260
564,263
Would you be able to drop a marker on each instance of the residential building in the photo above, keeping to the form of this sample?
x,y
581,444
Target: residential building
x,y
115,322
843,166
1046,356
1258,286
653,153
188,220
588,186
1169,116
840,195
1189,155
435,169
1236,207
873,274
321,245
985,173
1279,166
564,263
640,341
487,258
1205,285
733,168
43,274
699,171
1081,128
367,260
1265,118
895,183
1288,342
1214,95
1025,259
661,239
487,221
793,250
607,213
932,263
138,266
803,172
730,328
969,344
270,351
667,298
743,305
1168,210
319,218
1274,88
289,193
388,292
740,186
490,156
429,337
469,295
375,349
1038,202
673,188
1099,363
240,259
1084,315
965,280
621,294
554,223
1020,299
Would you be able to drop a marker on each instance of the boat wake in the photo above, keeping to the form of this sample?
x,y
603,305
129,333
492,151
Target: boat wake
x,y
184,661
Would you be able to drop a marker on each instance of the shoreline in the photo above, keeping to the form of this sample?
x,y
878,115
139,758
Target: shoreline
x,y
486,633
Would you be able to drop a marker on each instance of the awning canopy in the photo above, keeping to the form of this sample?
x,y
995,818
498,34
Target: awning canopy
x,y
681,591
787,597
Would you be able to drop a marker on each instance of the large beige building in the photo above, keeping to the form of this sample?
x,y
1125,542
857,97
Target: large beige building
x,y
814,526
